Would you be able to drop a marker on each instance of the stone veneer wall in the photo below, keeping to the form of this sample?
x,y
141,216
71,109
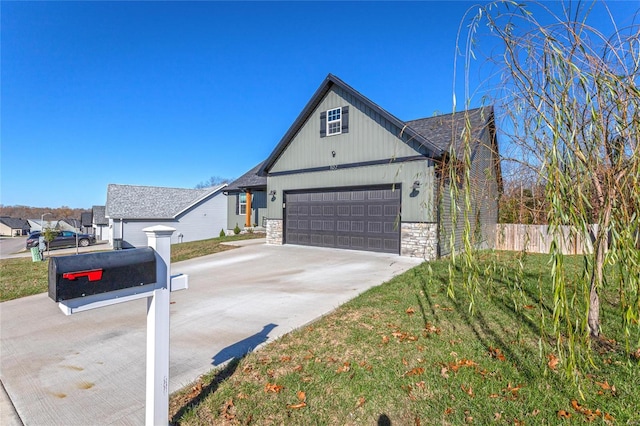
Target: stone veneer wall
x,y
274,231
419,239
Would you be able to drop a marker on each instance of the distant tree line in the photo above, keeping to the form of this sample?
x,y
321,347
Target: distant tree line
x,y
213,181
26,212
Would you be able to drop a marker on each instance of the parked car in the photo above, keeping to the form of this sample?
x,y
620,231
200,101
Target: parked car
x,y
62,239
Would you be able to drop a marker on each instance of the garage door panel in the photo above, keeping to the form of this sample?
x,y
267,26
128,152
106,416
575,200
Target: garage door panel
x,y
357,219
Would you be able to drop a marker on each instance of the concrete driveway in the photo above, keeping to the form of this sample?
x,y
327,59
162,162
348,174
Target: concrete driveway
x,y
89,368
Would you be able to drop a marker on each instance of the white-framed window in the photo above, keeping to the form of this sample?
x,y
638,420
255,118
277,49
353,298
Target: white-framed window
x,y
334,121
242,203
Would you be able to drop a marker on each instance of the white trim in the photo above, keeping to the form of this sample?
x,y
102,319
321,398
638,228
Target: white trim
x,y
335,121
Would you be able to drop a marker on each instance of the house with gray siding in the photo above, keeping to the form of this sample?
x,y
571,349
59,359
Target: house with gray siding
x,y
247,200
348,174
196,214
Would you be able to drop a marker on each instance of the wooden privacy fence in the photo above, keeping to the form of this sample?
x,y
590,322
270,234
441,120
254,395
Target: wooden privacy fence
x,y
538,238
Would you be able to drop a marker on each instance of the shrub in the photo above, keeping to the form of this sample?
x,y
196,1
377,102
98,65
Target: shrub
x,y
236,230
222,233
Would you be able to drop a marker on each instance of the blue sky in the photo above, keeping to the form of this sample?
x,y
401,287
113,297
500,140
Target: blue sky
x,y
172,93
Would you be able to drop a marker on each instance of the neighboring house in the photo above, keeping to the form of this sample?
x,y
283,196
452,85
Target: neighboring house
x,y
38,225
100,223
196,214
12,227
247,200
348,174
69,224
86,220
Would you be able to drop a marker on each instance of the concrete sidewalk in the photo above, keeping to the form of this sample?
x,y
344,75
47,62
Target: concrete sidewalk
x,y
89,368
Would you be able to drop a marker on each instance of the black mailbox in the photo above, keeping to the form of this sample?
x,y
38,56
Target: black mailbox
x,y
71,277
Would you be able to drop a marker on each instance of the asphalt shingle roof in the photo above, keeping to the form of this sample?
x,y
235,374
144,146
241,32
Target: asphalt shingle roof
x,y
441,129
98,215
15,223
152,202
251,179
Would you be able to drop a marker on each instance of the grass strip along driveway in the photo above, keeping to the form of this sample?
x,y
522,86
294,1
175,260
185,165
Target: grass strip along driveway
x,y
404,353
22,277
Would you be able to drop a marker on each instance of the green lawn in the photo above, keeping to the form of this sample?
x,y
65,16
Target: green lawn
x,y
21,277
404,353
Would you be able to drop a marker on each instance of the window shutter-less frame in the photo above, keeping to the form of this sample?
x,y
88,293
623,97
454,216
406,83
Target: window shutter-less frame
x,y
345,119
323,124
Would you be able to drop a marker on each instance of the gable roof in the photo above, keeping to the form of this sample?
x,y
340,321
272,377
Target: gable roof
x,y
153,202
98,215
15,223
86,218
249,180
329,82
447,128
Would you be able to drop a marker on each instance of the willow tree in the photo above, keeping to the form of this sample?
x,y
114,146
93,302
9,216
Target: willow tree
x,y
570,101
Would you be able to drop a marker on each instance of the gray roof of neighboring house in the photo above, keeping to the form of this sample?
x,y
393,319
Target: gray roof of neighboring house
x,y
152,202
98,215
15,223
250,180
86,219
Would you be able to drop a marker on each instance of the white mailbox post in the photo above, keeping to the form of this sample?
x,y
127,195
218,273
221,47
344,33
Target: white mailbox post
x,y
94,280
157,405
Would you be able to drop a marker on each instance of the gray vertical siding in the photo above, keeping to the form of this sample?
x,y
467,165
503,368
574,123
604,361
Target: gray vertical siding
x,y
370,138
484,201
258,207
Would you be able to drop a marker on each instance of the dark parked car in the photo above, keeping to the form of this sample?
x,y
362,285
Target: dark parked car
x,y
62,239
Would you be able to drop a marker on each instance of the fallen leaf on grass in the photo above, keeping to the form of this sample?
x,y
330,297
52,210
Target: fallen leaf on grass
x,y
535,412
562,414
468,391
430,329
443,372
297,368
497,353
448,411
229,410
513,389
302,396
345,367
410,311
385,339
360,402
497,416
553,361
414,372
285,359
296,406
272,388
529,306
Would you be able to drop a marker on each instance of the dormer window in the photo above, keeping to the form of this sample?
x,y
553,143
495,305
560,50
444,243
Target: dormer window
x,y
334,121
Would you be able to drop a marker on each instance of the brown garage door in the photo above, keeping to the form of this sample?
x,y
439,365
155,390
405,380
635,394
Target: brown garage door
x,y
362,219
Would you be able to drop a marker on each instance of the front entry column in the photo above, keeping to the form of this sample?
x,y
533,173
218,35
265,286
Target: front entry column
x,y
247,222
